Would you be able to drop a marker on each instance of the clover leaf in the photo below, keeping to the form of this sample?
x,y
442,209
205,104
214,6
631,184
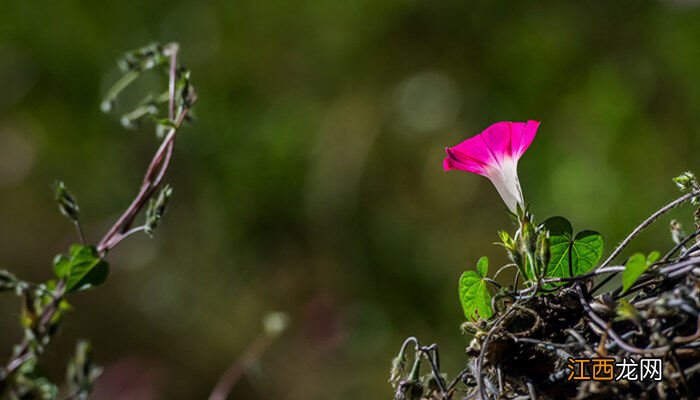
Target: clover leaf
x,y
473,293
569,255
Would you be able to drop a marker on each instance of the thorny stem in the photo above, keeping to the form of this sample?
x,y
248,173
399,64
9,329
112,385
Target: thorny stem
x,y
646,223
671,272
680,245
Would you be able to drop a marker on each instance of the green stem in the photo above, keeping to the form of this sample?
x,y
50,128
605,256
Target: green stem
x,y
120,85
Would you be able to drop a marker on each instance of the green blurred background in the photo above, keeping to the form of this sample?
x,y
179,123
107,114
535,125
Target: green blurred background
x,y
311,181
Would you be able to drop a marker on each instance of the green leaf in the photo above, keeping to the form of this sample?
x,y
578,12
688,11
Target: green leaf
x,y
82,269
7,280
571,256
626,311
483,266
560,233
587,251
66,202
653,257
635,267
61,266
474,296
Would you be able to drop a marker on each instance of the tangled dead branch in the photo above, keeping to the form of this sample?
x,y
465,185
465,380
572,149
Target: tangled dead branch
x,y
528,348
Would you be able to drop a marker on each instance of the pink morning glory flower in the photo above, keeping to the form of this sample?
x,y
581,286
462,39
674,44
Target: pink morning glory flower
x,y
494,153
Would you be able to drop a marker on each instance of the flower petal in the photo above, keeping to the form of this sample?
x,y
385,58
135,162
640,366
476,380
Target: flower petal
x,y
457,160
506,181
494,153
509,138
476,149
522,135
497,139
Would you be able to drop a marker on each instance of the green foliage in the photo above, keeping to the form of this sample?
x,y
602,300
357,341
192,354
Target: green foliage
x,y
82,372
569,255
473,293
44,304
156,209
637,264
66,202
31,385
626,311
483,266
7,280
540,251
153,57
677,233
143,58
82,269
133,63
687,181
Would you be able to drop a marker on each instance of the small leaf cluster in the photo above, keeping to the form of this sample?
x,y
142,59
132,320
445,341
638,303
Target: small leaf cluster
x,y
82,372
158,107
83,267
66,202
9,281
688,182
29,384
545,255
156,209
43,307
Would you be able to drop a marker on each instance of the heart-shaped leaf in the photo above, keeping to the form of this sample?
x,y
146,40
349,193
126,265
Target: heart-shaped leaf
x,y
473,293
571,256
